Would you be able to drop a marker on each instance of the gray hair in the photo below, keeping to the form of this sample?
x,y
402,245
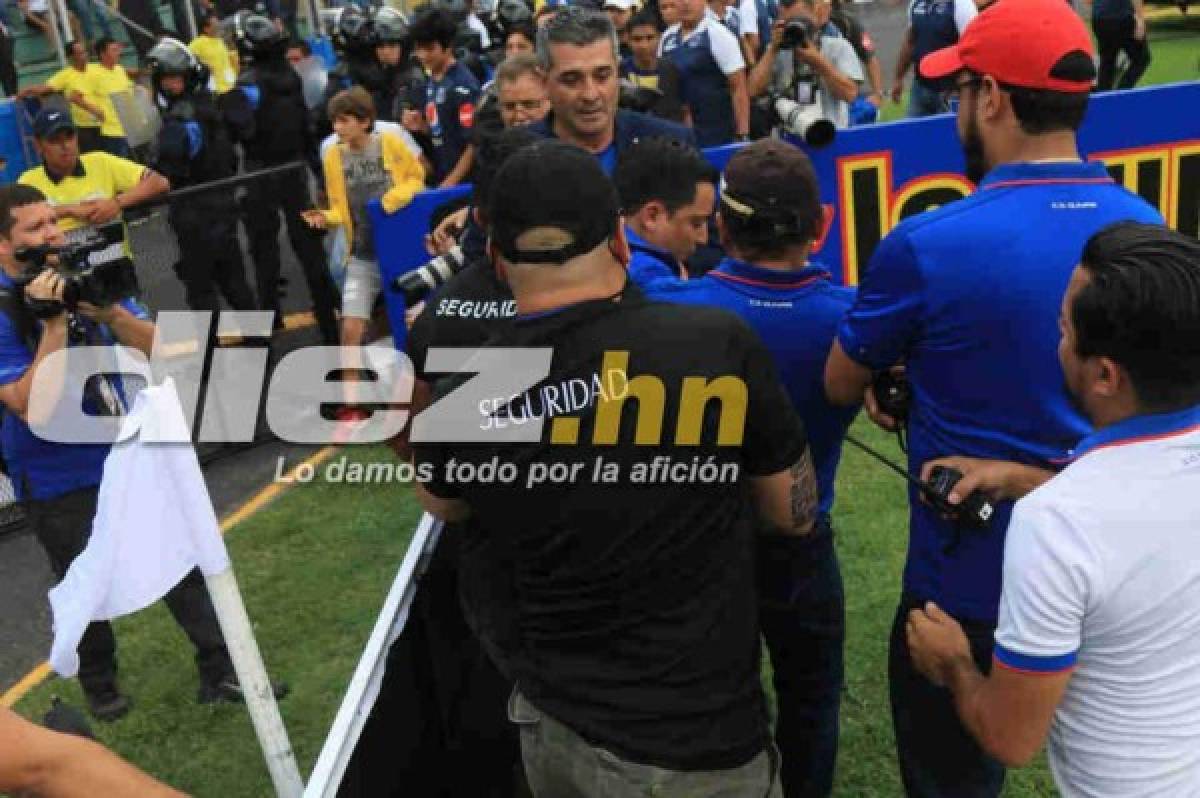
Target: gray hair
x,y
576,26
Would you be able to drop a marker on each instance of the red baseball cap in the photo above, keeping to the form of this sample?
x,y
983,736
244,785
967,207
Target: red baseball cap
x,y
1022,43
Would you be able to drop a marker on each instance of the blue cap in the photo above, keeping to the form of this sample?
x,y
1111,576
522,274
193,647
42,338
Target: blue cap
x,y
50,121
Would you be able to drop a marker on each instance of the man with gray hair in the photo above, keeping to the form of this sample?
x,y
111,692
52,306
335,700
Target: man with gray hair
x,y
578,55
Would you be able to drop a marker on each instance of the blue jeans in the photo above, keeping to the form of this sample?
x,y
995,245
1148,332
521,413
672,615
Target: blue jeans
x,y
802,612
938,757
924,101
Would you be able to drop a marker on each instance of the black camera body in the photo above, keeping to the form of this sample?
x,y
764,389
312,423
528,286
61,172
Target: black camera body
x,y
797,33
100,281
642,99
973,511
892,394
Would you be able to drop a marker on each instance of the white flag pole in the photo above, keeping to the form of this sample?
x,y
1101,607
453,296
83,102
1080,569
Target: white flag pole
x,y
256,687
368,676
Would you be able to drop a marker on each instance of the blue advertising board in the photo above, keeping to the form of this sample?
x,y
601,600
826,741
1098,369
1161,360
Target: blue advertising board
x,y
872,177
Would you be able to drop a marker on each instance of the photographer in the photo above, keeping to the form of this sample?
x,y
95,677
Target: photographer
x,y
194,148
667,194
450,94
86,190
805,66
632,638
967,297
59,482
1097,643
770,215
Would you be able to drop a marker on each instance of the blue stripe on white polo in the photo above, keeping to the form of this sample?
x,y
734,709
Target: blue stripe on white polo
x,y
1016,661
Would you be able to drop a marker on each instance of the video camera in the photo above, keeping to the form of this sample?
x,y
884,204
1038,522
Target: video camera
x,y
94,268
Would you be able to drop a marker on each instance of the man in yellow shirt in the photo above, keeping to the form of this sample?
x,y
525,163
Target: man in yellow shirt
x,y
210,49
89,190
72,82
107,78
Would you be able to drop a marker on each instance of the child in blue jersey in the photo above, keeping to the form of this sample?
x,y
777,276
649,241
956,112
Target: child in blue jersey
x,y
448,98
645,70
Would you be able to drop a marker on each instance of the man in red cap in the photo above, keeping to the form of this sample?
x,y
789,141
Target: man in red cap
x,y
967,297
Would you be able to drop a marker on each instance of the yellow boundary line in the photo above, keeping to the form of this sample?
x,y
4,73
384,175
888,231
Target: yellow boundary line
x,y
255,503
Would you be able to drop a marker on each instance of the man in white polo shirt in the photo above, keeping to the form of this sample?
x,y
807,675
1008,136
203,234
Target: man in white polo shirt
x,y
1098,641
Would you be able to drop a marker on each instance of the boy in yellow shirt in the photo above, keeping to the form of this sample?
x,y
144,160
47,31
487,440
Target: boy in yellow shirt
x,y
364,165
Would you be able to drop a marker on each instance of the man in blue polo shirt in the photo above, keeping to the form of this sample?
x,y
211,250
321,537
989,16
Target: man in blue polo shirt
x,y
770,215
58,482
578,53
967,297
667,193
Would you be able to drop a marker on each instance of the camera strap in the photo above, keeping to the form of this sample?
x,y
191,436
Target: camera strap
x,y
803,88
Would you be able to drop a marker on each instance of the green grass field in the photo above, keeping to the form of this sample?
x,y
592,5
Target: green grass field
x,y
314,568
315,565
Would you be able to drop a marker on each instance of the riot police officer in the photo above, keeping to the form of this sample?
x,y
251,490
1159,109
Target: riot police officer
x,y
374,52
194,147
267,112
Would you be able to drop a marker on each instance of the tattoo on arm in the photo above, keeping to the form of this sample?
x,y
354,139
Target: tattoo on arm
x,y
804,494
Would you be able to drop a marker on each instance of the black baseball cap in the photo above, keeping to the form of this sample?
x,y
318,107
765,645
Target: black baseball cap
x,y
551,202
772,180
50,121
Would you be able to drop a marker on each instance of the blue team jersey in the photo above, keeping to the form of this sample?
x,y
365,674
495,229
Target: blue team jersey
x,y
42,469
968,296
703,86
649,263
796,314
450,112
933,27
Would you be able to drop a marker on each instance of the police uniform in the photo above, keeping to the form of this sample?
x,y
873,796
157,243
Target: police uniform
x,y
448,106
267,113
801,603
706,58
390,88
195,148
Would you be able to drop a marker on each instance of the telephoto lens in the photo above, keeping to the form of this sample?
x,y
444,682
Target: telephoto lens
x,y
417,284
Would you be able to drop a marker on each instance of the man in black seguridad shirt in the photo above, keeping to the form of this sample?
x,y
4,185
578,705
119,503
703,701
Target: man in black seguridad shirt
x,y
441,720
634,643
